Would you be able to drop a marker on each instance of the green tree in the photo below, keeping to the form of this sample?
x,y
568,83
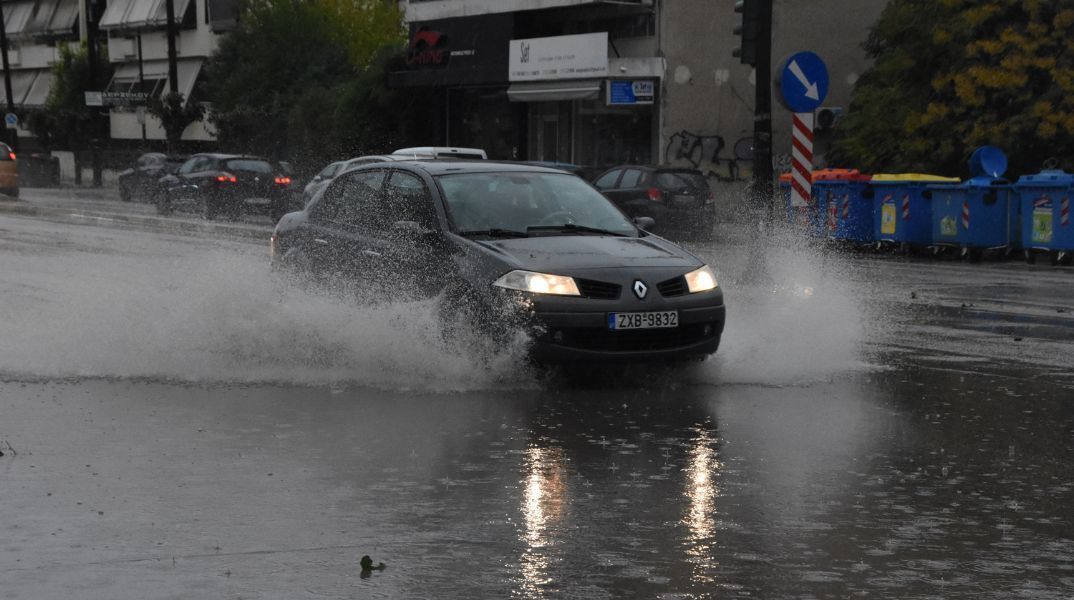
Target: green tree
x,y
951,75
281,81
66,121
175,115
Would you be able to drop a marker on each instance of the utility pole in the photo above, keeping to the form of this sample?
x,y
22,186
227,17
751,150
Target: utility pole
x,y
173,68
762,117
755,48
93,55
7,78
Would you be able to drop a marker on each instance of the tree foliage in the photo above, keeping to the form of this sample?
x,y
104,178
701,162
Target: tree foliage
x,y
952,75
66,121
175,115
307,81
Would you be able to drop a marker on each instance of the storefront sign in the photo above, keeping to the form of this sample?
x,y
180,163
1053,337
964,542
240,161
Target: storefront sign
x,y
629,92
560,57
428,47
107,99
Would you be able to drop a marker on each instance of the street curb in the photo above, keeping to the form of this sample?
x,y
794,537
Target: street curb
x,y
154,223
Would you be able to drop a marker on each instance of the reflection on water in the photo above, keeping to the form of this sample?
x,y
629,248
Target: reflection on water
x,y
700,490
544,500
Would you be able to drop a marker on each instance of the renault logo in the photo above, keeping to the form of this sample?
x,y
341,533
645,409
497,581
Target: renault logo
x,y
640,289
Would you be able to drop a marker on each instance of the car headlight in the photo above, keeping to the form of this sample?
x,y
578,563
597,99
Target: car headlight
x,y
701,280
538,283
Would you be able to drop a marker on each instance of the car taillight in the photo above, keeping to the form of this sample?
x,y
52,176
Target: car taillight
x,y
283,180
656,195
12,155
226,178
272,244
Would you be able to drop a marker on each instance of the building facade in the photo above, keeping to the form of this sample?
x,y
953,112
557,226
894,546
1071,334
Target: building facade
x,y
597,83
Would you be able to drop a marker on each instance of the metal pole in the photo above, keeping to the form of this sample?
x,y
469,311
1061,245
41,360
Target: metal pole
x,y
141,84
762,119
93,55
173,69
7,78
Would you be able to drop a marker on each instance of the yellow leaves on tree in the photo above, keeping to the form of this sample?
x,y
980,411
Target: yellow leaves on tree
x,y
365,26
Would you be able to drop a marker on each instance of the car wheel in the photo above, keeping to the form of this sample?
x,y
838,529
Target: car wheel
x,y
469,320
1030,256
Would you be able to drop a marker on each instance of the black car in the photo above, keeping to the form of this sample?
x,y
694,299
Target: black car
x,y
143,180
506,246
679,199
226,184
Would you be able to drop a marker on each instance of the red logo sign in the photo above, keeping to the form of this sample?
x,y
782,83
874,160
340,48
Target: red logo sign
x,y
428,47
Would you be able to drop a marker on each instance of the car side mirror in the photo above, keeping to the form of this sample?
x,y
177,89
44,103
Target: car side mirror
x,y
645,223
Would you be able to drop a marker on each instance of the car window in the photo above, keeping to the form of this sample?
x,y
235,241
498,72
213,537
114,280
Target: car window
x,y
517,201
329,171
351,199
607,180
630,179
680,180
406,199
190,165
249,166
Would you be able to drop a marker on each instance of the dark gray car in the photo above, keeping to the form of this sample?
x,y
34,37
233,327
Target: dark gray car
x,y
507,246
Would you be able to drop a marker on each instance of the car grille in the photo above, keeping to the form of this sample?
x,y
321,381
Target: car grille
x,y
598,290
672,287
641,340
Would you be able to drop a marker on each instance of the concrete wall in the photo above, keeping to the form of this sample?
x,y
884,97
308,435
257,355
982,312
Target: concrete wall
x,y
708,93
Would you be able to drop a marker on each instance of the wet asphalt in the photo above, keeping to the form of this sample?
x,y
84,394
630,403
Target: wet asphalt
x,y
872,427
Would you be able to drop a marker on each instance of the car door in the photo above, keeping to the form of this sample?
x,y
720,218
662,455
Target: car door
x,y
335,239
412,258
182,188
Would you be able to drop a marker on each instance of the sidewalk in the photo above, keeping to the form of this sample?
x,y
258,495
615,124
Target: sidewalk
x,y
101,206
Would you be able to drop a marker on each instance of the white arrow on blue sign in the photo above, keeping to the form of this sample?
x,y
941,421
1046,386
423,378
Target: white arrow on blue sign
x,y
803,82
11,119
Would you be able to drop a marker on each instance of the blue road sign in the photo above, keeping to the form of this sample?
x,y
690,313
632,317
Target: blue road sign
x,y
803,82
11,119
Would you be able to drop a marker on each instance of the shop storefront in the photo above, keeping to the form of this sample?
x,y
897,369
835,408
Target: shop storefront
x,y
543,99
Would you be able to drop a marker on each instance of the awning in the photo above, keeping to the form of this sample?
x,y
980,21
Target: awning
x,y
63,18
554,91
187,72
17,16
38,93
21,81
140,14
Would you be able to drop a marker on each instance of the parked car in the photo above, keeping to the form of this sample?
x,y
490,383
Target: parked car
x,y
142,181
442,152
9,171
508,246
678,199
227,184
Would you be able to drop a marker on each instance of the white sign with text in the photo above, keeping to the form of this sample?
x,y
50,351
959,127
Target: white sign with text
x,y
560,57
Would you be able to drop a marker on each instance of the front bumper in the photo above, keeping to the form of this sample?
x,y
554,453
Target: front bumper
x,y
570,336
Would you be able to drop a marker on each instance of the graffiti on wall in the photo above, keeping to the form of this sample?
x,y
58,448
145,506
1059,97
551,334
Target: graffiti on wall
x,y
706,153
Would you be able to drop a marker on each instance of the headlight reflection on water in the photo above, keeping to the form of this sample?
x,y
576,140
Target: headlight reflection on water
x,y
544,502
701,491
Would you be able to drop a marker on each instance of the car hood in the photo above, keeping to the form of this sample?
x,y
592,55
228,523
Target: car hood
x,y
574,252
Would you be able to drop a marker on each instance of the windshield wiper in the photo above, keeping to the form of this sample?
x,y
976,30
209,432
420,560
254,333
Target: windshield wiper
x,y
574,227
495,232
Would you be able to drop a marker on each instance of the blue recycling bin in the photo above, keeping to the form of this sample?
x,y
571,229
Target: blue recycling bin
x,y
903,208
1044,200
845,214
979,214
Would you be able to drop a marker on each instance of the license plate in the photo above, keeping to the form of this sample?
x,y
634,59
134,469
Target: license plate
x,y
259,201
643,320
685,200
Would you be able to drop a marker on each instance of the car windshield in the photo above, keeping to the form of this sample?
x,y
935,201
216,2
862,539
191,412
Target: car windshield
x,y
520,201
250,166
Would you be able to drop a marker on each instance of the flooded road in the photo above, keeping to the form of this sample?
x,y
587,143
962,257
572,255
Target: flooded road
x,y
174,425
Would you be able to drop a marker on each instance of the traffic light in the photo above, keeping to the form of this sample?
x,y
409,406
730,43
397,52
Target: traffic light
x,y
747,29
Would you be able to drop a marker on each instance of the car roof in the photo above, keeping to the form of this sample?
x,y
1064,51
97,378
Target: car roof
x,y
660,168
223,156
452,166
